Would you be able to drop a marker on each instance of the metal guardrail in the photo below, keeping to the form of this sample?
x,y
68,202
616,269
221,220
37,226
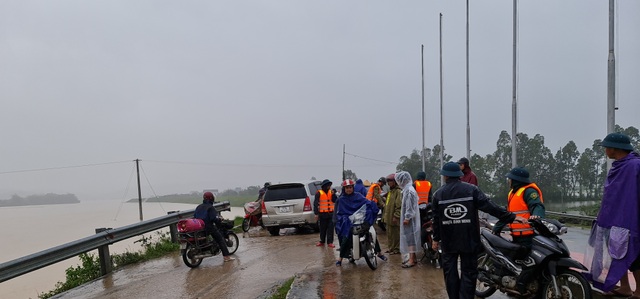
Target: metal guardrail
x,y
101,240
572,216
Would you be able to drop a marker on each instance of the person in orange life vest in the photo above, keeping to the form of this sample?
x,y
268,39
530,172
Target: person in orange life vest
x,y
469,176
525,200
323,208
423,187
375,192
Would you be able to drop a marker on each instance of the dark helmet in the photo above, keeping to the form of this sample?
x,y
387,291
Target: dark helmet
x,y
267,184
617,140
208,196
519,174
451,169
421,176
391,177
382,180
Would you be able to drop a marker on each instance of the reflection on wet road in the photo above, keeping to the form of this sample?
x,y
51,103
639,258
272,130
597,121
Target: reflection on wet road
x,y
264,262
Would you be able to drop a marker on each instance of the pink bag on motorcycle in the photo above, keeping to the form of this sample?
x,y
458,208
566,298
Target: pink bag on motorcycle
x,y
190,225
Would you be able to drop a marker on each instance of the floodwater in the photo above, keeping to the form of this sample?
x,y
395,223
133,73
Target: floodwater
x,y
30,229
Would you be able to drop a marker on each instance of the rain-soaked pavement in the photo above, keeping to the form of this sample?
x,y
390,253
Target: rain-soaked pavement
x,y
263,262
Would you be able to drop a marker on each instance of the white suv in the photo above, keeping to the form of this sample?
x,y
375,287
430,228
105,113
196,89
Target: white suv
x,y
289,205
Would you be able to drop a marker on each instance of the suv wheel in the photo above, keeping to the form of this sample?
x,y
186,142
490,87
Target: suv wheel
x,y
274,230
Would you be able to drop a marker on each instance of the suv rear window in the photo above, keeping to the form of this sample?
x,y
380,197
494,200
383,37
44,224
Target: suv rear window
x,y
284,192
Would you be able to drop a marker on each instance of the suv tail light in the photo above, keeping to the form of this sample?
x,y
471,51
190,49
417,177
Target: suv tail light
x,y
307,204
263,209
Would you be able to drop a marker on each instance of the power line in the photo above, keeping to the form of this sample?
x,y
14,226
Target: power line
x,y
243,164
63,167
370,159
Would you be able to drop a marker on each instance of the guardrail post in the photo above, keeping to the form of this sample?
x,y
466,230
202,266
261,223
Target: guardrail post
x,y
106,266
173,231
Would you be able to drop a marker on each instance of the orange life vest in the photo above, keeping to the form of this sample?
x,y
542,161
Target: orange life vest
x,y
325,205
518,206
423,188
370,195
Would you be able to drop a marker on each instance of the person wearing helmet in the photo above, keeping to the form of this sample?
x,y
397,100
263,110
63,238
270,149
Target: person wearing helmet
x,y
375,192
349,202
456,226
208,213
391,217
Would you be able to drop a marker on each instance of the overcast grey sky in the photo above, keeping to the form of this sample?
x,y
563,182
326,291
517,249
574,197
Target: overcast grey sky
x,y
219,94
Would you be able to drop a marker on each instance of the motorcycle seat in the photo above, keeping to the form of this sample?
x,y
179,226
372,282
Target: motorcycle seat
x,y
500,242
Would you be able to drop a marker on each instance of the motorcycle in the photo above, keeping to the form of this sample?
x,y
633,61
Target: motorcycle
x,y
196,244
253,215
363,238
544,271
426,233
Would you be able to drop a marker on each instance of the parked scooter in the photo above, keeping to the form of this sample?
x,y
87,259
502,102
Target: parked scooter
x,y
426,233
196,244
363,237
545,271
253,215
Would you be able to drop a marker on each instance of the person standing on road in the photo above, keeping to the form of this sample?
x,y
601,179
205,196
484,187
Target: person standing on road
x,y
262,191
614,243
323,208
409,219
375,193
456,229
468,175
207,213
391,216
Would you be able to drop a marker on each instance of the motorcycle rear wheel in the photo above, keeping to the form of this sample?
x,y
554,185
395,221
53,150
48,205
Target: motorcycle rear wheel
x,y
368,246
188,257
232,242
246,223
483,289
571,285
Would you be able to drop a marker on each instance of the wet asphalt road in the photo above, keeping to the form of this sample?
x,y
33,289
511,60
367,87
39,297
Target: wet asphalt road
x,y
263,262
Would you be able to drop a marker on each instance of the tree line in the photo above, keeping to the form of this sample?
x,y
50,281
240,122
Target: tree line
x,y
567,175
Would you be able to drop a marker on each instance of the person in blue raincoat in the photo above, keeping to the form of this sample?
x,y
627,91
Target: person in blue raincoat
x,y
349,203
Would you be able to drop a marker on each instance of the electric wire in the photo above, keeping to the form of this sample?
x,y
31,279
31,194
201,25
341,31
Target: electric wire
x,y
124,196
151,187
62,167
370,159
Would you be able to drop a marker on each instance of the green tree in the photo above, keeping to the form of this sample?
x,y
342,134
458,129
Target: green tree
x,y
348,174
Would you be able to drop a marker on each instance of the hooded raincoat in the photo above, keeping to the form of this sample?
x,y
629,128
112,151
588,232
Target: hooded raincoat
x,y
409,233
349,204
614,242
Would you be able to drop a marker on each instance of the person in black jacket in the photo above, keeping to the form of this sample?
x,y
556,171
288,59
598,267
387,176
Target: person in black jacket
x,y
209,215
457,231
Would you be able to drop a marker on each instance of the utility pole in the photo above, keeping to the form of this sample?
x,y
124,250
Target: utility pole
x,y
468,109
514,103
139,191
441,109
422,64
343,153
611,77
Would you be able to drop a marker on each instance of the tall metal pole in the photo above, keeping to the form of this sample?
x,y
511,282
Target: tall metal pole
x,y
441,109
468,109
611,77
514,104
343,153
422,64
139,190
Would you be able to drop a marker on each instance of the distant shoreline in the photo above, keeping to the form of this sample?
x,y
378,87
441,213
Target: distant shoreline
x,y
38,200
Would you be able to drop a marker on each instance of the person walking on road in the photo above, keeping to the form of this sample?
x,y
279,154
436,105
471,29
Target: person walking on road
x,y
323,208
614,243
391,216
409,219
457,230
